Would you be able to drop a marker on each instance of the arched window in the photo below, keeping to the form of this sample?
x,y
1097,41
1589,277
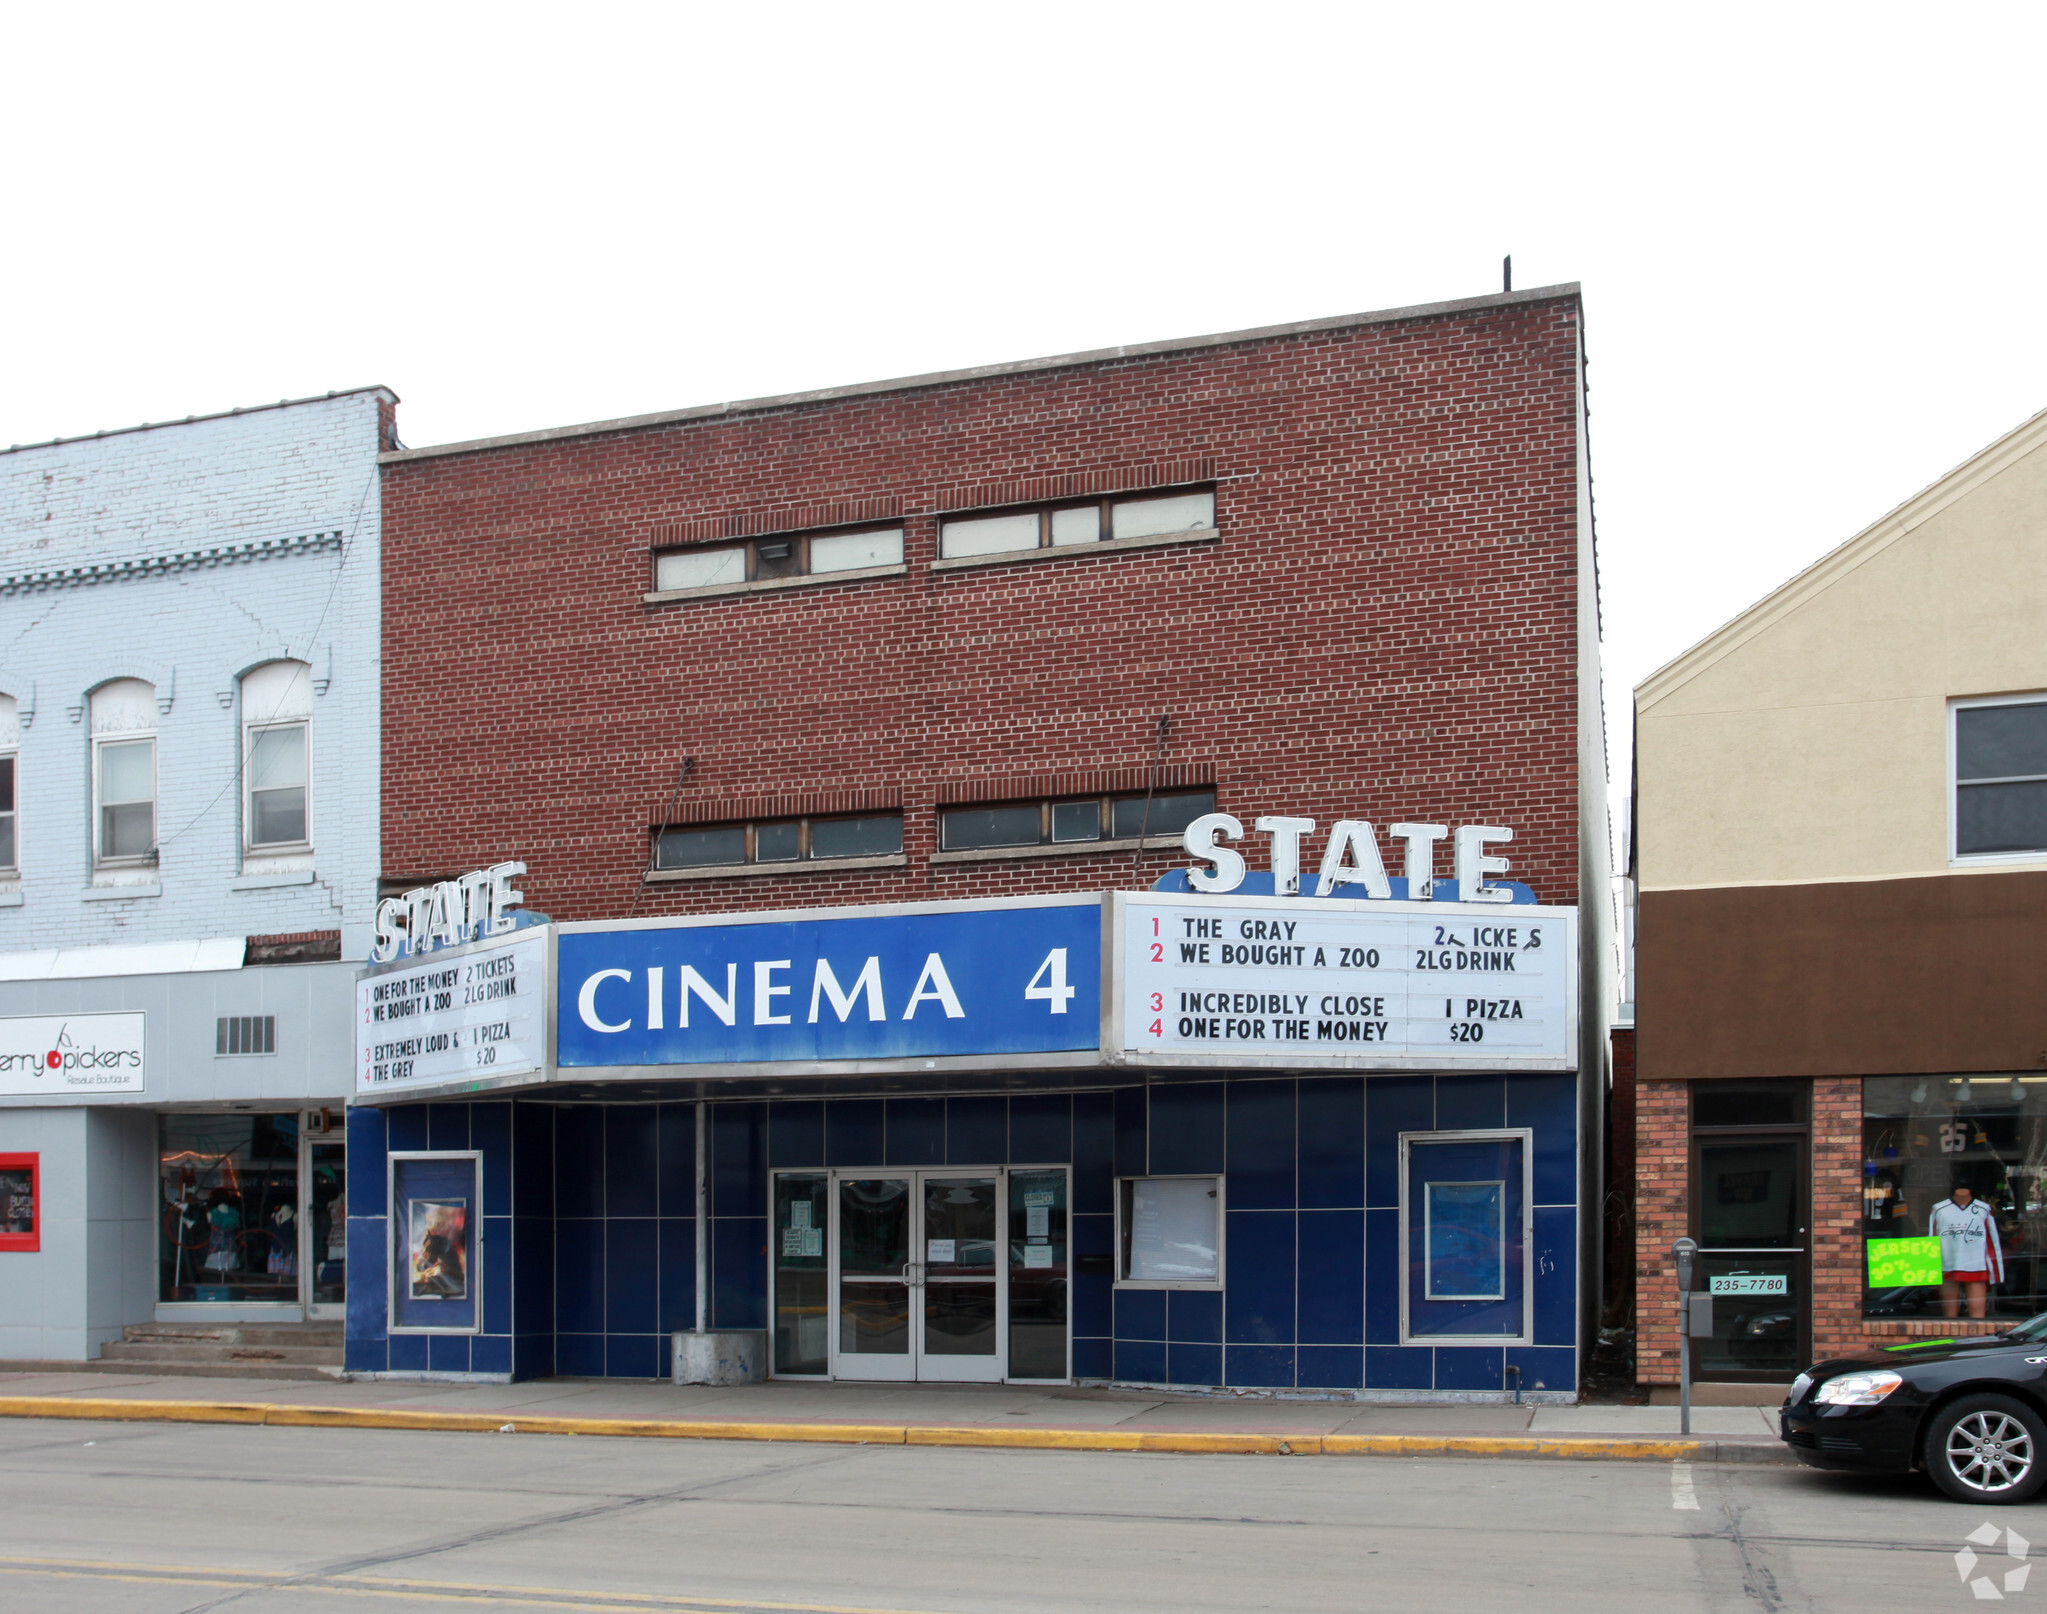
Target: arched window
x,y
10,755
277,711
124,774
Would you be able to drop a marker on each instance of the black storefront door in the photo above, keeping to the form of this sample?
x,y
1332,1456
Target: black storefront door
x,y
1751,1221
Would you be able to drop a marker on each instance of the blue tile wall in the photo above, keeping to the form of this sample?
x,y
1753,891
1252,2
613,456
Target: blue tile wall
x,y
913,1132
1131,1157
1330,1367
1041,1127
1464,1102
677,1165
1332,1143
1186,1126
739,1159
632,1165
1258,1278
977,1131
796,1134
1393,1105
587,1256
852,1131
1261,1150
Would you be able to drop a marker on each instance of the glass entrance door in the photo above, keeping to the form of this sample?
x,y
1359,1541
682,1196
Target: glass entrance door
x,y
323,1222
1752,1256
959,1281
918,1273
871,1277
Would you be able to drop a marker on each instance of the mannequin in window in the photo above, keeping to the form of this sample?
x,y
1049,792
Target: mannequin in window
x,y
1971,1259
224,1224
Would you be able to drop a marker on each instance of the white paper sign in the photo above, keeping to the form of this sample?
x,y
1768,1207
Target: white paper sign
x,y
70,1055
1751,1283
1348,984
472,1014
939,1252
1037,1255
1037,1221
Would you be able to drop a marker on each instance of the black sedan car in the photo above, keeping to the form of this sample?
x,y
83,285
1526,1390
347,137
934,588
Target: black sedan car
x,y
1971,1412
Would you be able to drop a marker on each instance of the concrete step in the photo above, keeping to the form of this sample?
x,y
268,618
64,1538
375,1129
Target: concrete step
x,y
162,1351
316,1333
179,1370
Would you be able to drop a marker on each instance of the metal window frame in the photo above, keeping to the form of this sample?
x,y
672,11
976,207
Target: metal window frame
x,y
13,865
250,846
1967,860
100,859
749,549
1104,506
31,1241
1105,823
1221,1231
1525,1136
749,828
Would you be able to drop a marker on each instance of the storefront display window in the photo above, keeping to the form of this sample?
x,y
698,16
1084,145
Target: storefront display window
x,y
1924,1137
1169,1232
230,1228
20,1202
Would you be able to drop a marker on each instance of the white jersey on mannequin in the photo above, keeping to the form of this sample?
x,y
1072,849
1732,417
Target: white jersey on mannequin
x,y
1968,1238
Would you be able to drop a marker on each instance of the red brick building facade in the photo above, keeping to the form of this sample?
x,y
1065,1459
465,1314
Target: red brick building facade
x,y
1386,625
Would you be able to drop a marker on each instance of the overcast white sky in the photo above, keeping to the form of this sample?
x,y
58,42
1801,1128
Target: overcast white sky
x,y
1811,237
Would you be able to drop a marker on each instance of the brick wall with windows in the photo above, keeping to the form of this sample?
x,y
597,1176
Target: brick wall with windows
x,y
1381,623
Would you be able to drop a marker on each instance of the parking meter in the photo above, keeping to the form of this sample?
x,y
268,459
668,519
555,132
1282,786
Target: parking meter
x,y
1687,1253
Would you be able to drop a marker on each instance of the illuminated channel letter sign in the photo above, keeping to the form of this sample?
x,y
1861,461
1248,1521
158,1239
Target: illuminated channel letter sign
x,y
1019,977
1352,864
472,908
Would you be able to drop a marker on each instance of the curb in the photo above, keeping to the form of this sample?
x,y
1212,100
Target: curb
x,y
285,1416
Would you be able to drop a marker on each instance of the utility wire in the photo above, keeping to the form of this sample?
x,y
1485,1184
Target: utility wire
x,y
241,751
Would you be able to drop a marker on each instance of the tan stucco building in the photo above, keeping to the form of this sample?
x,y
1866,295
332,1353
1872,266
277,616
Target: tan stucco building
x,y
1841,989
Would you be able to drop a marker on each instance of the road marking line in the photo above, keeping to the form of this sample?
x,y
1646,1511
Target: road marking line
x,y
436,1591
1682,1496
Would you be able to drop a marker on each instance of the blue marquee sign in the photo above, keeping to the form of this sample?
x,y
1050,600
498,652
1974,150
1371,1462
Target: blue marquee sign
x,y
967,981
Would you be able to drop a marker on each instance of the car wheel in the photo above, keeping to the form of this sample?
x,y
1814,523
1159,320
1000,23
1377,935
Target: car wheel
x,y
1987,1448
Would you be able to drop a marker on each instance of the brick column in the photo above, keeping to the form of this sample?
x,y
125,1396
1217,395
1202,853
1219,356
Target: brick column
x,y
1663,1121
1837,1215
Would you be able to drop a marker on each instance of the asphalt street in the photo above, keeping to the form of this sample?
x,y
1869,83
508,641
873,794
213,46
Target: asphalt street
x,y
157,1518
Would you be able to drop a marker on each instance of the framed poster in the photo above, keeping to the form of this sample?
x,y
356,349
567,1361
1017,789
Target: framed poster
x,y
21,1202
436,1227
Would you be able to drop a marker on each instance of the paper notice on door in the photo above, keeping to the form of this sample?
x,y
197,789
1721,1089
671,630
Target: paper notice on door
x,y
1037,1221
939,1252
792,1241
799,1213
1038,1196
813,1240
1037,1255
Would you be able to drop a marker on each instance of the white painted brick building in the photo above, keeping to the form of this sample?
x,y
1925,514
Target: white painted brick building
x,y
189,783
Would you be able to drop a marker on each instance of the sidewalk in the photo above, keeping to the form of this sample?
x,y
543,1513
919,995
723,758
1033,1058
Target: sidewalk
x,y
914,1414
